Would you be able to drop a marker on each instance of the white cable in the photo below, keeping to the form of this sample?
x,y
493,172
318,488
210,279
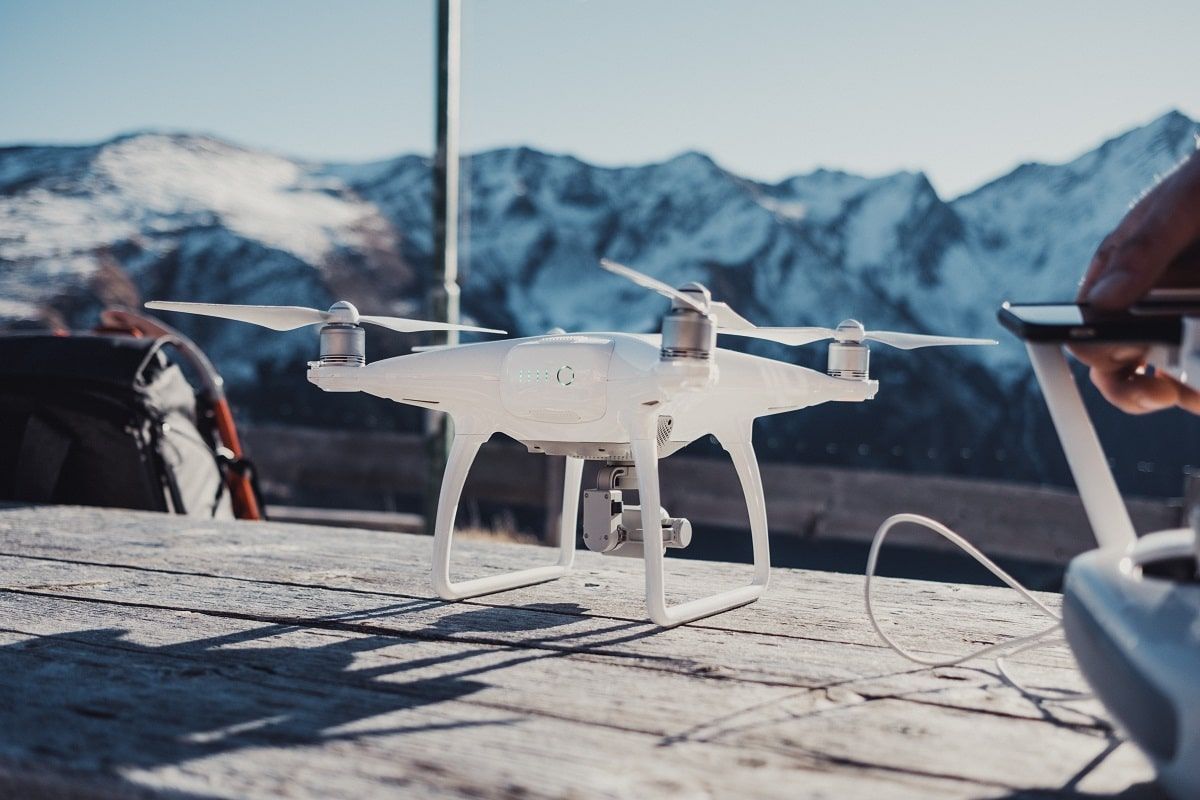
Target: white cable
x,y
1007,648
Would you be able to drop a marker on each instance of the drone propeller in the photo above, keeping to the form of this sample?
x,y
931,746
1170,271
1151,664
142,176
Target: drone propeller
x,y
655,285
854,333
730,322
912,341
725,316
287,318
789,336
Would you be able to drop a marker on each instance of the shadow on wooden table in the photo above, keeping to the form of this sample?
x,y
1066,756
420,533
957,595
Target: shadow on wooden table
x,y
84,708
96,701
1140,791
1149,790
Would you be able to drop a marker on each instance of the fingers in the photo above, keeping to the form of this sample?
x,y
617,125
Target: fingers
x,y
1111,357
1118,371
1158,229
1096,269
1189,398
1160,233
1136,392
1184,271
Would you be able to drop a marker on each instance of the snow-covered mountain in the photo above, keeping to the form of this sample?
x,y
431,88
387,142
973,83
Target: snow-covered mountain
x,y
195,218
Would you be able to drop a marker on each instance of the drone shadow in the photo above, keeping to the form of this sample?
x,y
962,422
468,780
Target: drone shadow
x,y
97,701
1139,791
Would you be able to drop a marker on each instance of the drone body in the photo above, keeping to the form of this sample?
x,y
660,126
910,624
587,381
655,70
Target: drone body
x,y
586,394
624,399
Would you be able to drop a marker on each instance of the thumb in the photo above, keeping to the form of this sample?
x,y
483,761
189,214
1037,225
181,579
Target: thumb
x,y
1169,223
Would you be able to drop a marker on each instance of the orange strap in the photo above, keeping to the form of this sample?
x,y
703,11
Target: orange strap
x,y
241,490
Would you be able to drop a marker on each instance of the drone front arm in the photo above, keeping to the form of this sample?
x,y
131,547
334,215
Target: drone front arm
x,y
458,464
741,451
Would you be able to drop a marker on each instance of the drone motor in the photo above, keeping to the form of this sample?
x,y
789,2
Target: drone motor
x,y
688,333
849,356
343,340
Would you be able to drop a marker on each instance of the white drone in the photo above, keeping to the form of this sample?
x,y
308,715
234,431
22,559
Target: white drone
x,y
624,399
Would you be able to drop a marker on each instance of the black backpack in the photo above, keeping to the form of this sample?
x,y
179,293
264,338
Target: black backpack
x,y
104,420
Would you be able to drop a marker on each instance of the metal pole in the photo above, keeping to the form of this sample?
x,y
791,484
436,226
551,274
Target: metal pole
x,y
443,292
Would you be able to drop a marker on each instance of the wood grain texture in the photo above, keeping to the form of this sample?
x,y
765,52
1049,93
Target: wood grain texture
x,y
146,655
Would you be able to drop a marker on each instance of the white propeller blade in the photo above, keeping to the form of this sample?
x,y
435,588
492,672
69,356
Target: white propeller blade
x,y
789,336
728,320
425,348
725,316
905,341
287,318
278,318
654,285
911,341
414,325
732,323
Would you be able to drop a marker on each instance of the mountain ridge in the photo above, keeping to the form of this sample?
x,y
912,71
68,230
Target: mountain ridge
x,y
194,217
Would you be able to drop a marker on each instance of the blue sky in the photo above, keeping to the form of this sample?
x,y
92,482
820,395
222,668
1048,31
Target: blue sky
x,y
963,90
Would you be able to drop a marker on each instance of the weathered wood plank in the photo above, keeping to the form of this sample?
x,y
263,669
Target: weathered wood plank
x,y
559,628
222,685
236,659
800,604
348,518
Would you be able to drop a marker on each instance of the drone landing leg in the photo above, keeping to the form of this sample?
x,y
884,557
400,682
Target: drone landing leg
x,y
462,453
645,456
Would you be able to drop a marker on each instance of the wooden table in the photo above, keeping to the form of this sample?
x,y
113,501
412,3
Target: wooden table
x,y
142,654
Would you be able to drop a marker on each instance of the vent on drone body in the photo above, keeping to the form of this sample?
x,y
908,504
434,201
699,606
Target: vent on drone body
x,y
664,430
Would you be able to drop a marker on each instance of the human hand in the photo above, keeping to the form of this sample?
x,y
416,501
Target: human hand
x,y
1158,242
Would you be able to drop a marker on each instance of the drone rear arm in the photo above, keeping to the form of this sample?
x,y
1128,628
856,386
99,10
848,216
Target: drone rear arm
x,y
458,464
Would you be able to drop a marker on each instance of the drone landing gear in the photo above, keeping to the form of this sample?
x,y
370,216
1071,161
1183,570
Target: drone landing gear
x,y
645,459
458,463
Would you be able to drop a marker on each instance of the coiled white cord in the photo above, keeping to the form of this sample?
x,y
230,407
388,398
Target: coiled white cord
x,y
1007,648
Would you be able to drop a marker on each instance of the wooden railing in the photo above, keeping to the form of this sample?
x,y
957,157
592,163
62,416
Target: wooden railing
x,y
1005,519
